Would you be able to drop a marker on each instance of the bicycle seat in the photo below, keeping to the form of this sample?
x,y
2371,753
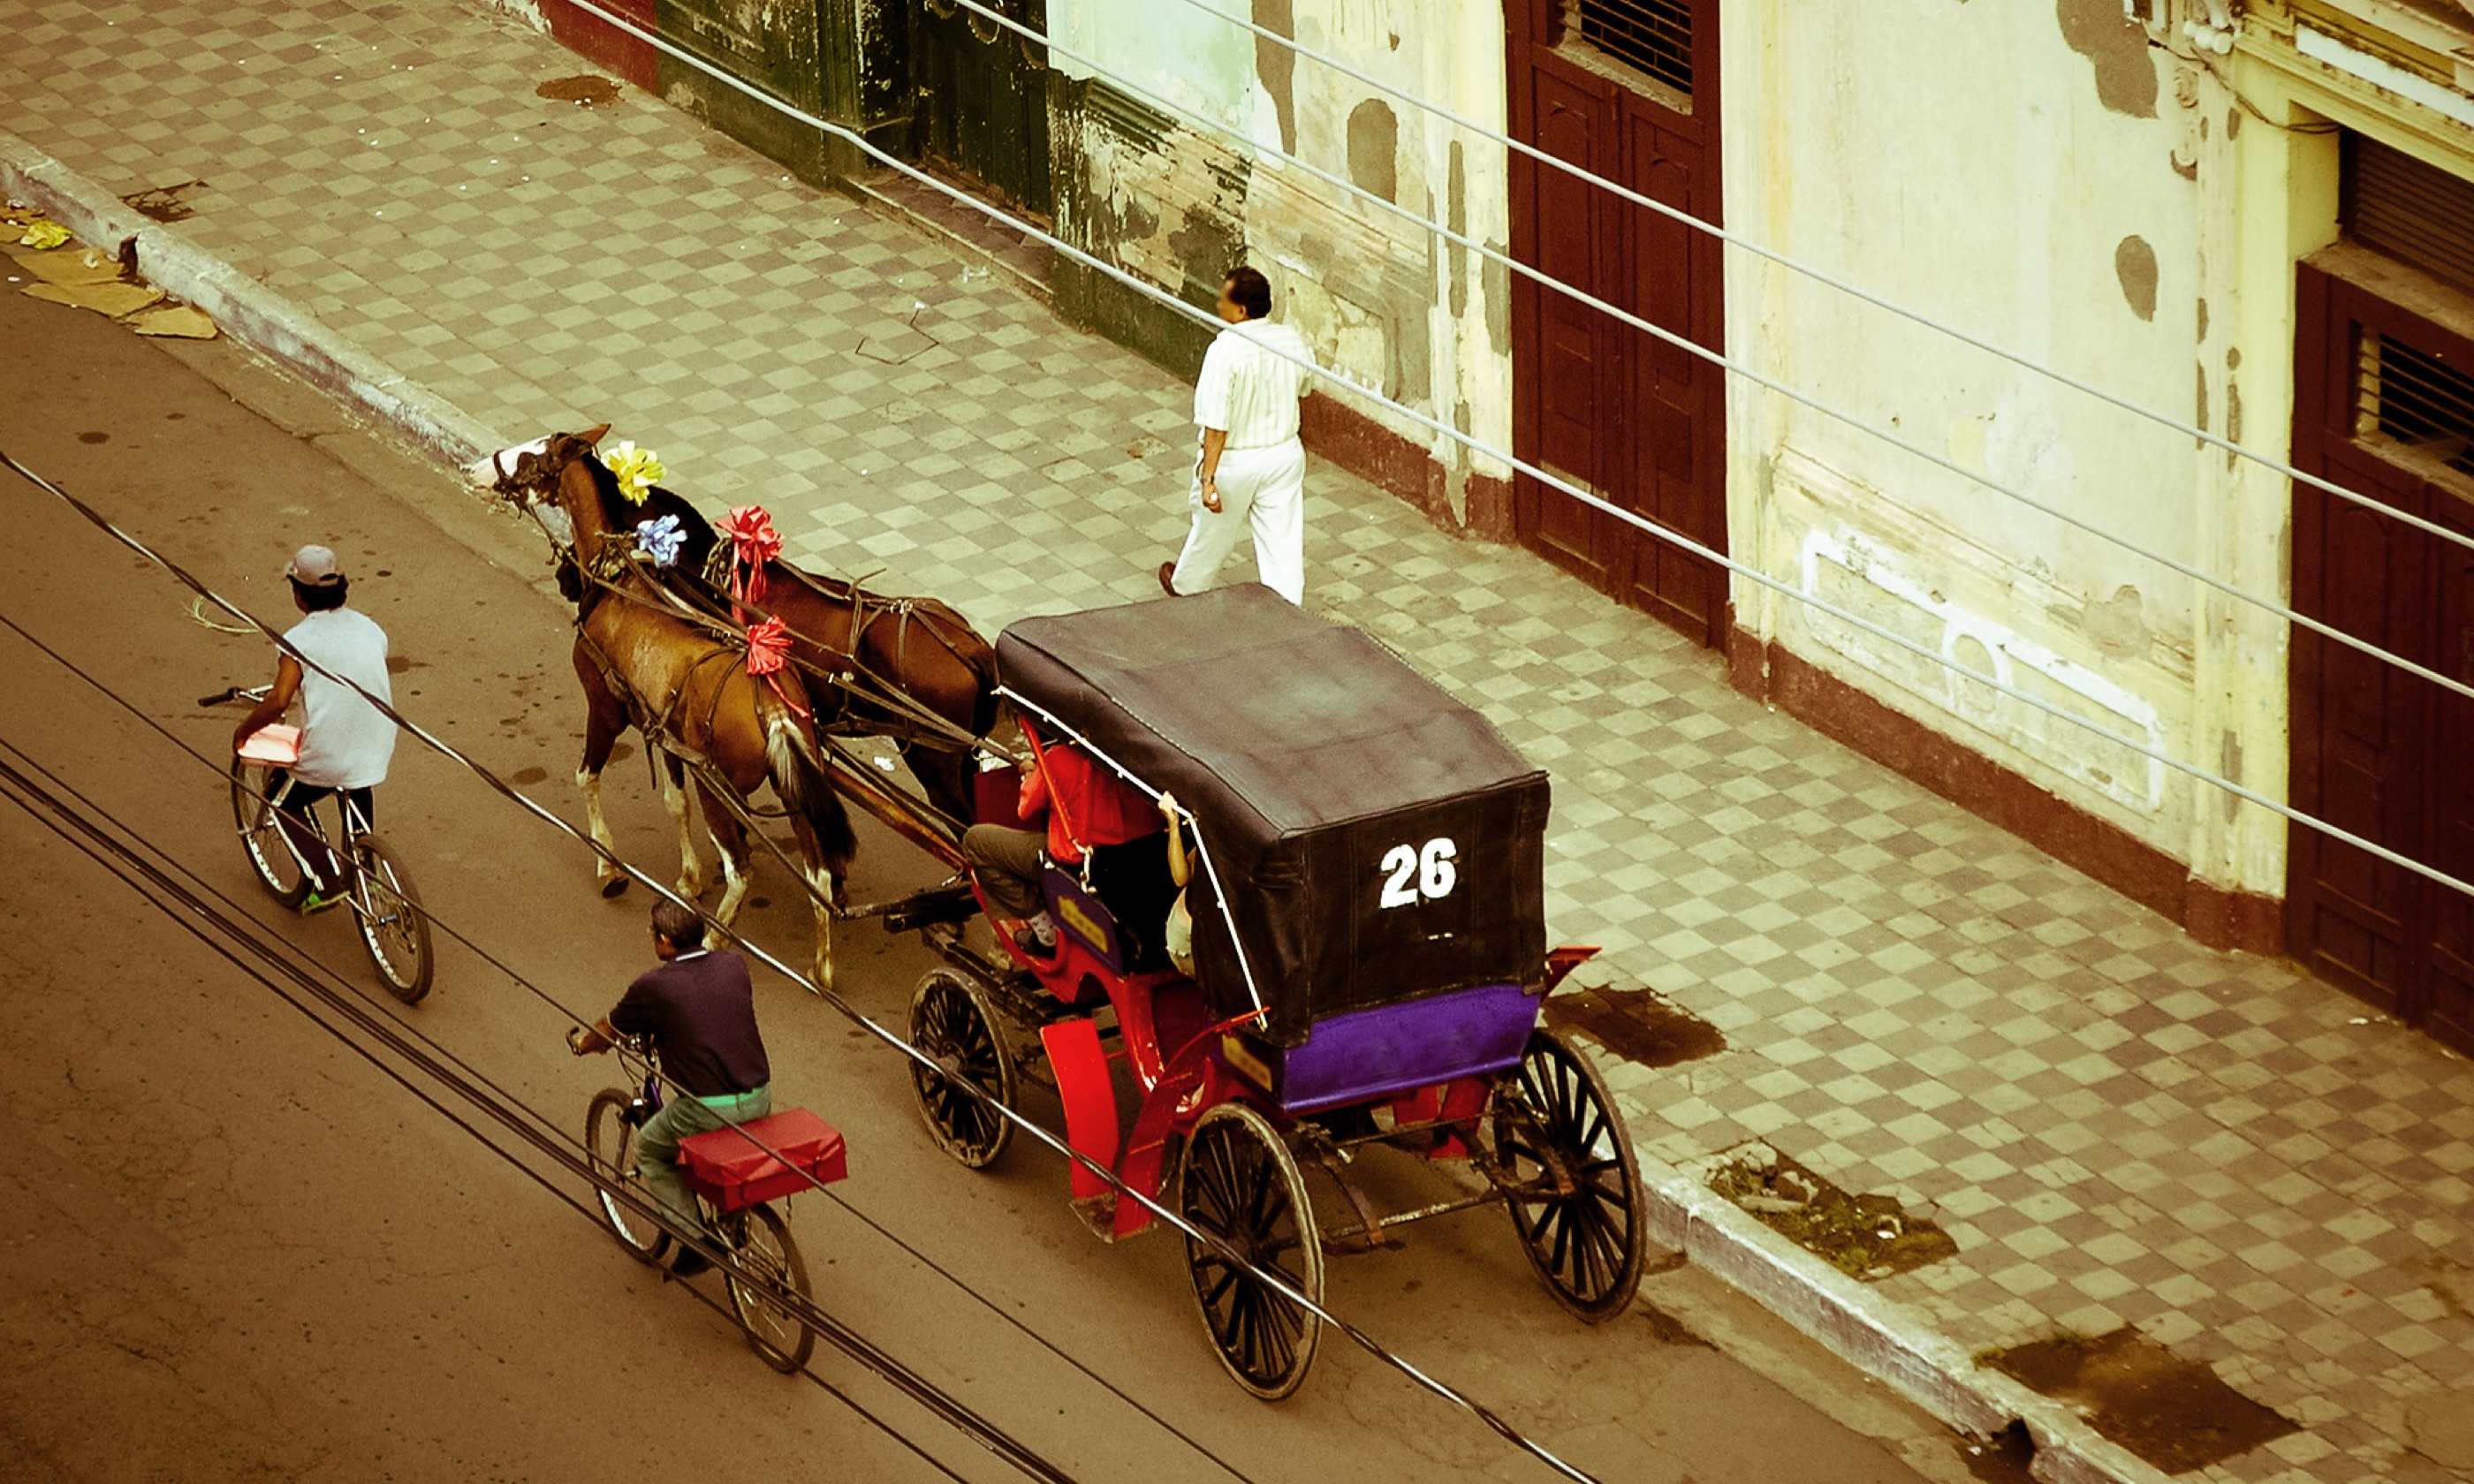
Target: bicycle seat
x,y
276,745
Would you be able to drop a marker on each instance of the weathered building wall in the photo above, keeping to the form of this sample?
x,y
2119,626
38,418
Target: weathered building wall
x,y
2040,176
1385,302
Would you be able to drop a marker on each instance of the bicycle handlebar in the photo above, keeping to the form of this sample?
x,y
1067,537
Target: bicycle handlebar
x,y
232,693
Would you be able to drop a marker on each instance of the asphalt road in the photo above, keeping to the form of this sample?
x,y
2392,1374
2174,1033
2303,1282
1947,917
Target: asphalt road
x,y
241,1244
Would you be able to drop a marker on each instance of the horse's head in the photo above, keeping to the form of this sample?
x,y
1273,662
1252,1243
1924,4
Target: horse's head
x,y
534,474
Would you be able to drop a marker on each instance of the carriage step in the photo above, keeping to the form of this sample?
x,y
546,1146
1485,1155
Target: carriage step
x,y
936,905
1358,1243
1099,1214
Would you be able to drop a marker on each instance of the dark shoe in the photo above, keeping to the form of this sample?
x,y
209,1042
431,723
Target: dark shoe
x,y
1168,579
688,1262
1029,943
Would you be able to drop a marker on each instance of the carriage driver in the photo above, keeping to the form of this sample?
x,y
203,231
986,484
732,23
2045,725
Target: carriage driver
x,y
1087,807
346,743
699,1011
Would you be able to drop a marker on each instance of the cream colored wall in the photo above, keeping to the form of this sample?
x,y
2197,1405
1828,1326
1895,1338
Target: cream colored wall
x,y
2012,170
1385,302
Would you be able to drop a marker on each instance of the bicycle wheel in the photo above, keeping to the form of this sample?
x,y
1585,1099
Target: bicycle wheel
x,y
261,840
610,1144
393,926
759,1240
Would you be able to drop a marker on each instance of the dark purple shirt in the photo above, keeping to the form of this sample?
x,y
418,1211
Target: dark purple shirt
x,y
702,1013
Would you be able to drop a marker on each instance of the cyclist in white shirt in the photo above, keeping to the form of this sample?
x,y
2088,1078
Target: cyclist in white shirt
x,y
1252,470
346,743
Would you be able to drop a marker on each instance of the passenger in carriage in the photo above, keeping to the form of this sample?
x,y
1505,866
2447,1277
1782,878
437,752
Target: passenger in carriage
x,y
1088,810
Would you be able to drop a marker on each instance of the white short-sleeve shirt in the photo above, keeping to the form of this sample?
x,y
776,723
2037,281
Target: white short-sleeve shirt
x,y
345,741
1252,377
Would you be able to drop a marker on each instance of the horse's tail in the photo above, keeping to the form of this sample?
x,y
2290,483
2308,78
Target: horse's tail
x,y
799,779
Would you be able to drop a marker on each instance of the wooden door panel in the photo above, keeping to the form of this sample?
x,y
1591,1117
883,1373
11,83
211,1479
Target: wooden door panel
x,y
1637,421
1578,417
2377,751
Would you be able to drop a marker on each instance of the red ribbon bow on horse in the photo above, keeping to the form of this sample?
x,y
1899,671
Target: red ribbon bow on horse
x,y
753,542
768,652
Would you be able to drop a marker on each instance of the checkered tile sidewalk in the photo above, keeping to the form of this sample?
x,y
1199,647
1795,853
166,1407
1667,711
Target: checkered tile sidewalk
x,y
2116,1125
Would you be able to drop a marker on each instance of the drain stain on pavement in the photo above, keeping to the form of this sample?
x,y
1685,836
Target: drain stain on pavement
x,y
585,92
2176,1414
1866,1236
163,202
1637,1025
2007,1457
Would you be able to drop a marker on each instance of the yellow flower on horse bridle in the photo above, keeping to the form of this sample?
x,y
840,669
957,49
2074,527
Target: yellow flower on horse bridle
x,y
637,470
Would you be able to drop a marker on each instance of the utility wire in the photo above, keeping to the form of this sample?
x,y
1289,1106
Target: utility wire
x,y
1941,460
1818,276
1544,476
1210,1241
575,1015
220,933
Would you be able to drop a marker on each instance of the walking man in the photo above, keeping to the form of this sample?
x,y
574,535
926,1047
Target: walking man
x,y
1251,473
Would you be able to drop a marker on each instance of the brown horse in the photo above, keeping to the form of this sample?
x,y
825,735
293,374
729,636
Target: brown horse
x,y
912,669
646,663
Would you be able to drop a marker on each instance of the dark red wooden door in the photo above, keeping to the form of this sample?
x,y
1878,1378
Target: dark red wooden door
x,y
2376,752
1637,421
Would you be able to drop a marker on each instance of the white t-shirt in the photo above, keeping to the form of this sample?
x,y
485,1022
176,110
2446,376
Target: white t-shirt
x,y
345,741
1251,387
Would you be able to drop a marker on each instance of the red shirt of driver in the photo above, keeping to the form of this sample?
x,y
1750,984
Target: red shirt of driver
x,y
1099,807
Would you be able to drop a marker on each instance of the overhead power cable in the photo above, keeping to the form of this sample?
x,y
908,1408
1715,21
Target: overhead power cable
x,y
1939,459
1544,476
229,935
1793,265
1210,1241
574,1016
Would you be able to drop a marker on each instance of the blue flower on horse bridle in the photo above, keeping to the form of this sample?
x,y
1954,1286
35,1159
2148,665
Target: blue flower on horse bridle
x,y
659,540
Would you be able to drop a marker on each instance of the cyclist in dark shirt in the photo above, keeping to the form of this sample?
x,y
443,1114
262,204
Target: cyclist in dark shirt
x,y
698,1009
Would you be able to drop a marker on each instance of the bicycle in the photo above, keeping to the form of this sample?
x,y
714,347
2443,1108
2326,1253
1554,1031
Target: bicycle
x,y
737,1206
386,906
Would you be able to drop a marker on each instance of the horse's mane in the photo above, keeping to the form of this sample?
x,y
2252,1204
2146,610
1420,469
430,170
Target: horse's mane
x,y
621,515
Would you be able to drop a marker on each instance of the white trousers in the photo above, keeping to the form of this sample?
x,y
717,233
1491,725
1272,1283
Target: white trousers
x,y
1263,490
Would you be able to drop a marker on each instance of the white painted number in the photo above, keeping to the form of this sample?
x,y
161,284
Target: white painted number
x,y
1436,875
1400,863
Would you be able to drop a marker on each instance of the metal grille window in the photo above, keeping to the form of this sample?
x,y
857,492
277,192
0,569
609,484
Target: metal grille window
x,y
2405,396
2416,213
1651,36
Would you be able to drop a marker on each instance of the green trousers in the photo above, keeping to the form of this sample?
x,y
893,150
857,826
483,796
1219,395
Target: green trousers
x,y
657,1146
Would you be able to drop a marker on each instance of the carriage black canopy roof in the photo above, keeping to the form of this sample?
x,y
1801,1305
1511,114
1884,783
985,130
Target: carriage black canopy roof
x,y
1310,755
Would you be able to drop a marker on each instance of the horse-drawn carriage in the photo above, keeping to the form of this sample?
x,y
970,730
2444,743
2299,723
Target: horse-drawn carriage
x,y
1370,956
1369,953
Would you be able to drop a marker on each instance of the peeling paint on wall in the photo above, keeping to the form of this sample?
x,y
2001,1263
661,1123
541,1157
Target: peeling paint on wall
x,y
2134,263
2125,80
1276,66
1375,148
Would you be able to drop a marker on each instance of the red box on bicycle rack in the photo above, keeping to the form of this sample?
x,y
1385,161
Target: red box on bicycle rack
x,y
763,1159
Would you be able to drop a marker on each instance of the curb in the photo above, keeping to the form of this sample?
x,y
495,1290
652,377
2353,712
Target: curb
x,y
1877,1335
244,308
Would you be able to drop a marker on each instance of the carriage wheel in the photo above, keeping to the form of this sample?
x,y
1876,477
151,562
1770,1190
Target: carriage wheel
x,y
1238,1182
952,1025
1587,1245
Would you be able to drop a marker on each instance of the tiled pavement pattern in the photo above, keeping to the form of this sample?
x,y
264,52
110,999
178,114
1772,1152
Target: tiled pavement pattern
x,y
2116,1125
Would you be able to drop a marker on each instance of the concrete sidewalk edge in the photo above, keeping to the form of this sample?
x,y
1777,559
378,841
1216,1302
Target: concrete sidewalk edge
x,y
244,308
1878,1336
